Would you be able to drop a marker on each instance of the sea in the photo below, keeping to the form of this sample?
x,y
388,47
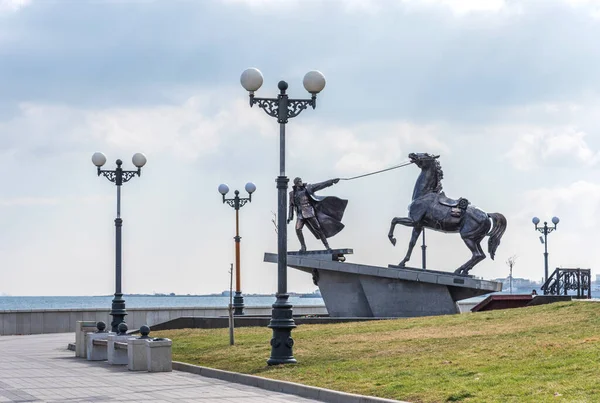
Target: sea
x,y
137,301
163,301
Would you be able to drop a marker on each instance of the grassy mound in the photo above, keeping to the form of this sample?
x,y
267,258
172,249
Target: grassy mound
x,y
543,353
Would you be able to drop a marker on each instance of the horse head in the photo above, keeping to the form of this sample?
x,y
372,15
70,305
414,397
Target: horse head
x,y
431,176
423,160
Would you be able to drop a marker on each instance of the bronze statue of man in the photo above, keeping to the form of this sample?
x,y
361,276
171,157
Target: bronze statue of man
x,y
322,215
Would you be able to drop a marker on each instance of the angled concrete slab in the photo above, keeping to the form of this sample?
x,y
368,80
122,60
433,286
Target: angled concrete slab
x,y
358,290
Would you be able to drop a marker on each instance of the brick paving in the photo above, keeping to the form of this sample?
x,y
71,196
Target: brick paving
x,y
39,368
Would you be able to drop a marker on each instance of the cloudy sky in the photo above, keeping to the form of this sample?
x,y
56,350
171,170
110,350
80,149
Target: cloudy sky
x,y
507,91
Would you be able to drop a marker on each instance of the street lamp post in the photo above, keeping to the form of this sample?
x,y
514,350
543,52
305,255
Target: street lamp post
x,y
282,108
237,203
545,230
118,177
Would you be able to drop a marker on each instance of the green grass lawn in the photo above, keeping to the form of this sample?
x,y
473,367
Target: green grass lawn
x,y
543,353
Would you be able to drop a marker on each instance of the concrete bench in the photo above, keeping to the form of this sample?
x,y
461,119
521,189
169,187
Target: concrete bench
x,y
149,354
81,328
117,346
138,353
96,346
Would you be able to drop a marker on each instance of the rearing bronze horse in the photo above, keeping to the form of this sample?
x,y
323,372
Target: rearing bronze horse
x,y
431,208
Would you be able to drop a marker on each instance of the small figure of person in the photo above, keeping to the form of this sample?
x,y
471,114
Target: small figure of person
x,y
322,215
534,292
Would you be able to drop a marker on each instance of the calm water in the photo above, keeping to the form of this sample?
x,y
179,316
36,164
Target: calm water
x,y
17,303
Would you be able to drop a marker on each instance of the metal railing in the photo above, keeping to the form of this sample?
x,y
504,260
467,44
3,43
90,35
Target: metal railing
x,y
564,280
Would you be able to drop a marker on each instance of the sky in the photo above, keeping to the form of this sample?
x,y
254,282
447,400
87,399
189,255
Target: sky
x,y
506,91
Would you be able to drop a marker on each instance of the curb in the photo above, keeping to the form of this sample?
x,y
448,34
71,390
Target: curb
x,y
309,392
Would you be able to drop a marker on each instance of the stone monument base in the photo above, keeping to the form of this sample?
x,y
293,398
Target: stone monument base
x,y
356,290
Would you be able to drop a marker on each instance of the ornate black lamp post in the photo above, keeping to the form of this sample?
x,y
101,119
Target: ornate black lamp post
x,y
545,230
282,108
118,177
237,203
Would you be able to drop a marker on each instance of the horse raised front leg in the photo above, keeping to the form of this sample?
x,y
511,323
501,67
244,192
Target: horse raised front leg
x,y
398,220
413,241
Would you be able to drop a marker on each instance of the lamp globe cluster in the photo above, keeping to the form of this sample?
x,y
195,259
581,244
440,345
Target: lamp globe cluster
x,y
252,79
138,159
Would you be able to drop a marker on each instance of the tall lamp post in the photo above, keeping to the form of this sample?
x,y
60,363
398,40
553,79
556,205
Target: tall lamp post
x,y
282,108
118,177
545,230
237,203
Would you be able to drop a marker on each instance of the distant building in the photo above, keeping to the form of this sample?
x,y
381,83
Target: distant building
x,y
519,285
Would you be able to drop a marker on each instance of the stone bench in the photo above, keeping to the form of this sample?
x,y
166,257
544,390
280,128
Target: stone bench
x,y
150,354
96,345
117,346
81,328
138,353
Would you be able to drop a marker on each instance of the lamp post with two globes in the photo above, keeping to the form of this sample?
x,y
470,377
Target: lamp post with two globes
x,y
282,108
545,230
237,203
118,177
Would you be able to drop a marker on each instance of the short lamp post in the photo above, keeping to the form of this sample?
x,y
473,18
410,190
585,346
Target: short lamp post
x,y
545,230
237,203
282,108
118,177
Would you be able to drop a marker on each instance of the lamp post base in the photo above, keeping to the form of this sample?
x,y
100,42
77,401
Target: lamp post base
x,y
118,312
282,324
238,304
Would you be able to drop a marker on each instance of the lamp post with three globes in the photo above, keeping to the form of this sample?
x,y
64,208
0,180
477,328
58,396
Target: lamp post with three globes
x,y
237,203
545,230
282,108
118,176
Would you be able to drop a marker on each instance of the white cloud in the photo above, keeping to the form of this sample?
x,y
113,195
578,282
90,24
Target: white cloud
x,y
187,130
461,7
557,146
28,201
371,145
12,5
578,203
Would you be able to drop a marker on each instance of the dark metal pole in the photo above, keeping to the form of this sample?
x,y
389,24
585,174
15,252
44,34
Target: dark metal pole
x,y
424,254
282,108
546,251
282,321
238,300
231,323
118,311
118,177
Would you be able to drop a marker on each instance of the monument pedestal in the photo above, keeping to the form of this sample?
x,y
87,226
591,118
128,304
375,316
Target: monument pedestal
x,y
356,290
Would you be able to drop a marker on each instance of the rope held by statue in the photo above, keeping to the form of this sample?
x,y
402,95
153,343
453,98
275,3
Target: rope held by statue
x,y
377,172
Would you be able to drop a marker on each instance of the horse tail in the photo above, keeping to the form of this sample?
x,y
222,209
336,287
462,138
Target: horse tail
x,y
498,228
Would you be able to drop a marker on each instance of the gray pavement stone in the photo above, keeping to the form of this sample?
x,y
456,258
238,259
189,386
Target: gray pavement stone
x,y
39,368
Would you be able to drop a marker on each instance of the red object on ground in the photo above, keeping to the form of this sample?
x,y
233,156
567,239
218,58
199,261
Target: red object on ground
x,y
498,301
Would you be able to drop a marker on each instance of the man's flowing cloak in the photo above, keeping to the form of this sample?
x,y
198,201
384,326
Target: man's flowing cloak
x,y
329,211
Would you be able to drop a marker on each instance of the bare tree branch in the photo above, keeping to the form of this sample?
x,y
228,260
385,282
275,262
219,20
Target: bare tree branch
x,y
511,261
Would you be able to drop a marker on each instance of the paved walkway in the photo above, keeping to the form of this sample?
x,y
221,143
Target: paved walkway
x,y
40,369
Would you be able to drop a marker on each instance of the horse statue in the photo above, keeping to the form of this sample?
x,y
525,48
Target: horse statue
x,y
430,208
